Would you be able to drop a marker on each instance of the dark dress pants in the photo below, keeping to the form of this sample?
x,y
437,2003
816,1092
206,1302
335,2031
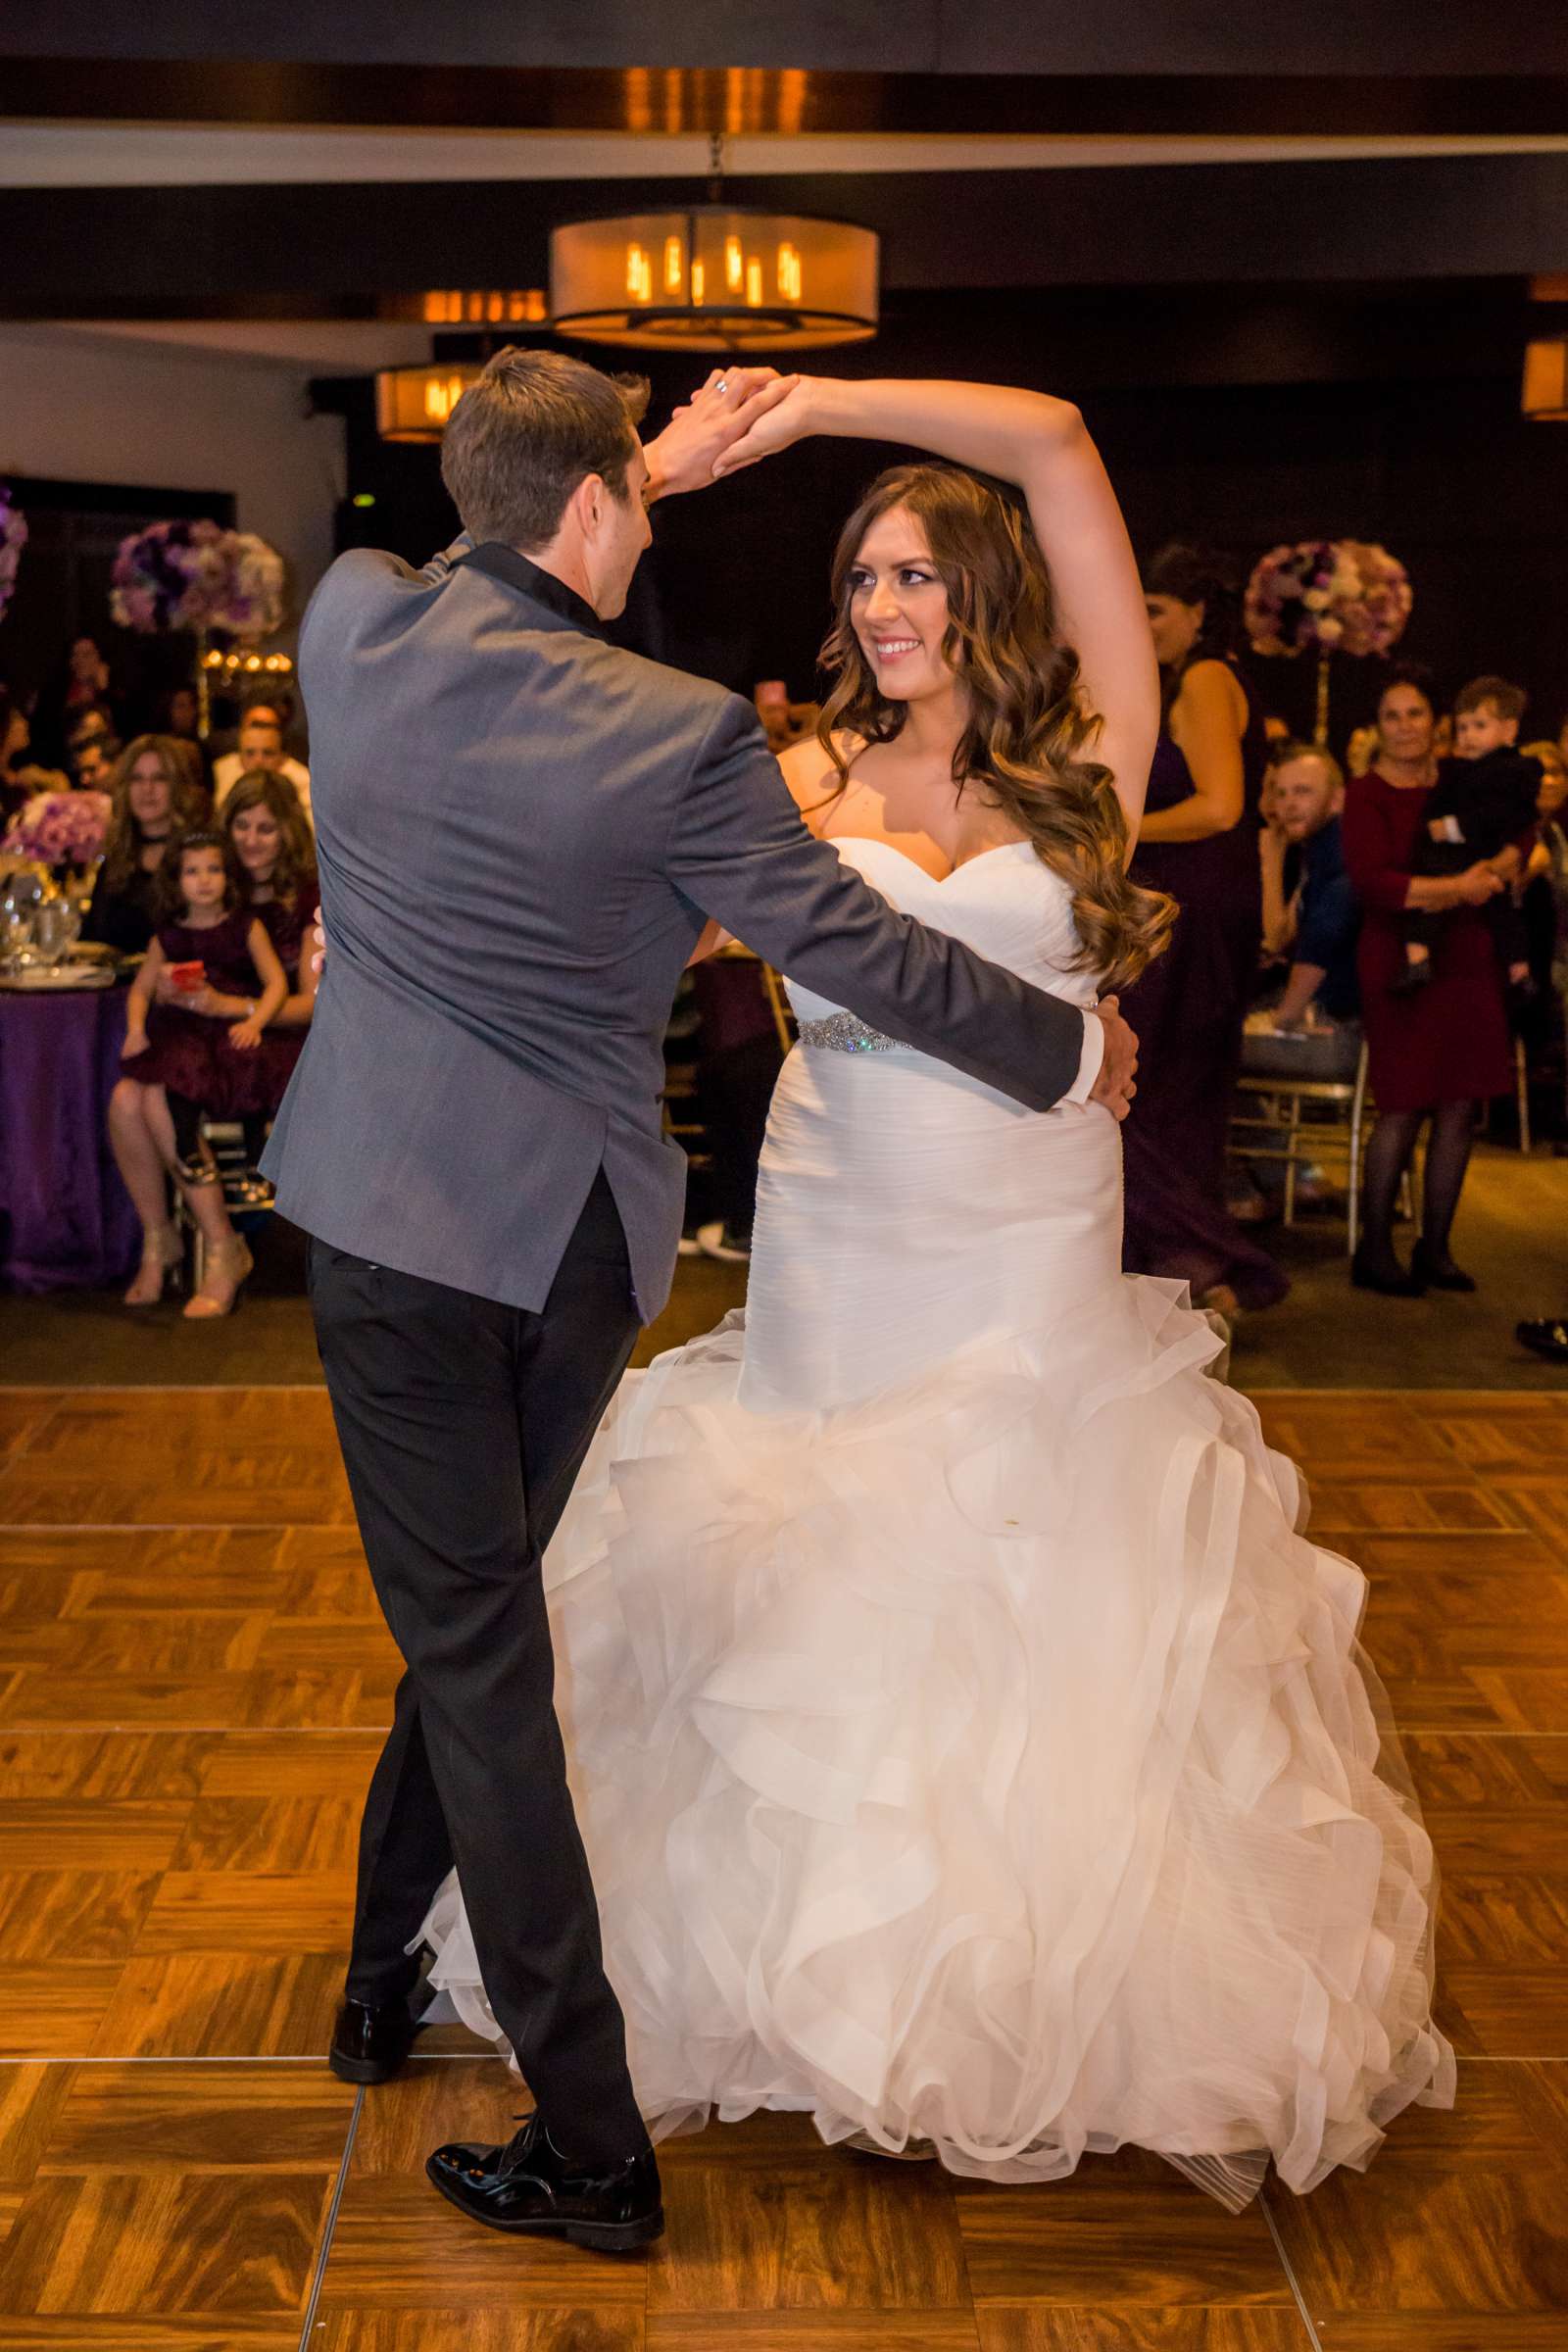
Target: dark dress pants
x,y
464,1424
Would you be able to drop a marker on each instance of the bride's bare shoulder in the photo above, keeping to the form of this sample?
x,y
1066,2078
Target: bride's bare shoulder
x,y
813,780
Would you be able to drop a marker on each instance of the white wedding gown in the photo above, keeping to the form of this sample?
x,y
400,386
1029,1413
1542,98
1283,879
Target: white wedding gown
x,y
967,1747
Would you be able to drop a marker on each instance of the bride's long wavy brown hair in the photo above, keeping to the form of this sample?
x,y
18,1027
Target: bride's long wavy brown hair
x,y
1028,740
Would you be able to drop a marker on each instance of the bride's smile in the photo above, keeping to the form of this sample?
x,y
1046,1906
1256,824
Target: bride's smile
x,y
899,609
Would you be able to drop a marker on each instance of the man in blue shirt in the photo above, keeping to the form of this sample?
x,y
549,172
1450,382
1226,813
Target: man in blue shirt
x,y
1319,923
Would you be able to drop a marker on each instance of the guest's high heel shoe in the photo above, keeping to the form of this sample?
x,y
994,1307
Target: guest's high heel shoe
x,y
1438,1269
162,1259
228,1265
1389,1281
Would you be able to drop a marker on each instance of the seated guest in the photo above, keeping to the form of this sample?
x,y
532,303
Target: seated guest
x,y
182,713
1547,873
276,854
1544,905
1485,803
179,1064
81,686
21,780
91,749
783,723
275,851
180,720
1318,925
261,746
151,800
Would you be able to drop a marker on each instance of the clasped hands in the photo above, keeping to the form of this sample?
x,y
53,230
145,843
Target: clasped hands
x,y
721,428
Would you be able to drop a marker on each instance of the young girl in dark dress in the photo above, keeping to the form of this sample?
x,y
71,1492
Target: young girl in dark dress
x,y
184,1063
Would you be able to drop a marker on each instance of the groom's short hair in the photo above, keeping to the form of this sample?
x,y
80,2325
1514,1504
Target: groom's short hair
x,y
526,432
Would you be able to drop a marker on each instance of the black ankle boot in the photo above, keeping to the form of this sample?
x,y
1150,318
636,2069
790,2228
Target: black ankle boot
x,y
1437,1268
1385,1275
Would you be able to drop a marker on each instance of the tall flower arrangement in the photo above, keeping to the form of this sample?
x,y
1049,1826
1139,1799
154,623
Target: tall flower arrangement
x,y
252,591
170,577
1327,596
197,575
13,539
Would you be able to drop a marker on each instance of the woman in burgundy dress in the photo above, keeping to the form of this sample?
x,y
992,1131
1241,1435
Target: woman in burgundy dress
x,y
1198,842
1435,1054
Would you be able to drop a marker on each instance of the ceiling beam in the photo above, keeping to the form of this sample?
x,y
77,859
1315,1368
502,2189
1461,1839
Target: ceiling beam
x,y
986,36
375,94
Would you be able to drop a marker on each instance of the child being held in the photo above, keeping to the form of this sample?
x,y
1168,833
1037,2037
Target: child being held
x,y
1484,804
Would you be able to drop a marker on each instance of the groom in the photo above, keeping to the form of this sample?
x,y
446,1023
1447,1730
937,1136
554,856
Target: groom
x,y
521,830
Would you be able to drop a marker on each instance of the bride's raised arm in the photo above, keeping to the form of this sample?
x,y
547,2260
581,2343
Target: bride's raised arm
x,y
1044,446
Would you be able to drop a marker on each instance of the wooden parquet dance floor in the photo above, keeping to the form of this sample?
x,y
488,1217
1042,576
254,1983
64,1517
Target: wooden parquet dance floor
x,y
192,1677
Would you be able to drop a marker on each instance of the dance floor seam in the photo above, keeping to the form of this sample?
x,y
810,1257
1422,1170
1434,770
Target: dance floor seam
x,y
185,1613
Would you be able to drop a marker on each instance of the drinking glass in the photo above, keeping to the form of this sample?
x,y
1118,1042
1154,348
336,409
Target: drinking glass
x,y
52,929
16,934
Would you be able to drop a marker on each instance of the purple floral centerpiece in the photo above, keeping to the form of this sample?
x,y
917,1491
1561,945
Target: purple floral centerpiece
x,y
13,539
170,577
61,829
197,575
252,602
1328,596
1325,597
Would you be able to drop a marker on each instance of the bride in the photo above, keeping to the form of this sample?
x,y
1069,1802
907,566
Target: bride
x,y
970,1752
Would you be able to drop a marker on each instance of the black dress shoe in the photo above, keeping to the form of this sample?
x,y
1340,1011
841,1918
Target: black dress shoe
x,y
371,2040
1415,977
1389,1281
1549,1338
531,2189
1437,1269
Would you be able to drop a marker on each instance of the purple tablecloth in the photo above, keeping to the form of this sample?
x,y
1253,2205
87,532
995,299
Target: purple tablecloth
x,y
66,1219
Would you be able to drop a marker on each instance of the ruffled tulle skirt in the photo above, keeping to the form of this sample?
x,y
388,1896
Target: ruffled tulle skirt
x,y
990,1763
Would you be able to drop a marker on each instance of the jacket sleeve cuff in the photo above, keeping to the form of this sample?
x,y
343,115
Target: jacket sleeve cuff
x,y
1090,1060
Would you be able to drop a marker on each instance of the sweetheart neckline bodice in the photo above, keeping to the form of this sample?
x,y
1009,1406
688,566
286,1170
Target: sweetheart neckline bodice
x,y
874,841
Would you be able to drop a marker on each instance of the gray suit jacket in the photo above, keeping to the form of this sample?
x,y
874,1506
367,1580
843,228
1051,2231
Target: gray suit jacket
x,y
521,830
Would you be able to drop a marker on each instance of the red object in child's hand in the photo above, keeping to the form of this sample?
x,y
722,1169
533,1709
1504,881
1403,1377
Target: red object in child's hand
x,y
187,978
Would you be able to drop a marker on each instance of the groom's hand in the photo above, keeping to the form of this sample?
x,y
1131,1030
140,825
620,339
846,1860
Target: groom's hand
x,y
1115,1085
708,425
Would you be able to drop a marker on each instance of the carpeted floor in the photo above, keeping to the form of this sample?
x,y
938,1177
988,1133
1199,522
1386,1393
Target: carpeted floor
x,y
1514,1236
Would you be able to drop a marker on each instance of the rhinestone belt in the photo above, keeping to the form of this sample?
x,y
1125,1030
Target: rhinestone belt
x,y
846,1032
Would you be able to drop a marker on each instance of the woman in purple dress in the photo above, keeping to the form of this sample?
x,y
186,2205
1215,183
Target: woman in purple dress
x,y
1198,842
